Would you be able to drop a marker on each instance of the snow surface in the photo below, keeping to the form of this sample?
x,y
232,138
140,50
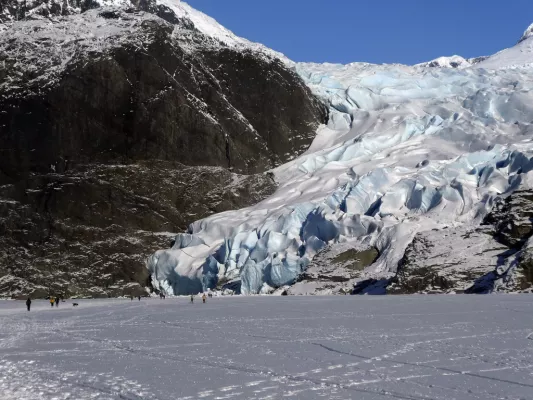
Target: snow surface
x,y
406,149
344,347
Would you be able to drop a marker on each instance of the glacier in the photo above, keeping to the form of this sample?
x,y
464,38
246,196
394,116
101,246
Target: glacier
x,y
406,149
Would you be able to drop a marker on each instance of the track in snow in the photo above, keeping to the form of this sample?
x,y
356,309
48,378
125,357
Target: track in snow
x,y
417,348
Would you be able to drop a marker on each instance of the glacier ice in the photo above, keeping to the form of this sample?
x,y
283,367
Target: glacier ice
x,y
406,149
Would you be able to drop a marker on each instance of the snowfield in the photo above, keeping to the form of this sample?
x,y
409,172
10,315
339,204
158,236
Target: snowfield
x,y
344,347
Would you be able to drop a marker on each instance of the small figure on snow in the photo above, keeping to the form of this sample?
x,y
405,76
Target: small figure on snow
x,y
28,303
52,302
139,298
203,298
192,299
57,301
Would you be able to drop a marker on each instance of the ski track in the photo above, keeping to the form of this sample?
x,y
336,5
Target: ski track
x,y
414,348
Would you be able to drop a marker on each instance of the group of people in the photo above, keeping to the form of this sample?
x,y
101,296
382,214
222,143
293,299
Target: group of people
x,y
204,297
53,300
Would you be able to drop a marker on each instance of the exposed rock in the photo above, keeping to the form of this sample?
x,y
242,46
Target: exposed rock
x,y
335,269
117,123
447,260
524,268
92,227
494,257
134,92
512,218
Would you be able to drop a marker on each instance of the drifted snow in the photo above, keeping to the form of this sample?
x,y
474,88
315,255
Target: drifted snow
x,y
406,149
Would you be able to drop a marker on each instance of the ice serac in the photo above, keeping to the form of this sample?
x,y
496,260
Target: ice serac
x,y
406,150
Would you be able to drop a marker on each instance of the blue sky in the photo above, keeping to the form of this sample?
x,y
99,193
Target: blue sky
x,y
379,31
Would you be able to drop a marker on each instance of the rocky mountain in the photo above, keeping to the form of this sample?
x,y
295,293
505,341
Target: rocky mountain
x,y
121,121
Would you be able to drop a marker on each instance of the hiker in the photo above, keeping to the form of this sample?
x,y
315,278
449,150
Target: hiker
x,y
203,298
210,295
139,298
192,299
52,302
28,303
57,301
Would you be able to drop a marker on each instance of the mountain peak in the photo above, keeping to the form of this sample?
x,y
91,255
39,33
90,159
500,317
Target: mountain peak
x,y
454,61
527,33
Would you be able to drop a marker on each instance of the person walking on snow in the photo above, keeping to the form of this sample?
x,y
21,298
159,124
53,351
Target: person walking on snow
x,y
203,298
28,303
57,301
192,299
51,302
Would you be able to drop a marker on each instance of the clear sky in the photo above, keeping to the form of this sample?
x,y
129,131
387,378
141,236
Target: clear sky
x,y
378,31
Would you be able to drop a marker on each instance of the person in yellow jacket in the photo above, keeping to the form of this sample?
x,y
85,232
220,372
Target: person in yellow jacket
x,y
52,301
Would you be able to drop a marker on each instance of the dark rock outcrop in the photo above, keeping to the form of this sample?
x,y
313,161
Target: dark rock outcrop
x,y
493,257
116,123
335,269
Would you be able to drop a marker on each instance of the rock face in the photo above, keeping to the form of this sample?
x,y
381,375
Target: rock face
x,y
493,257
335,269
118,122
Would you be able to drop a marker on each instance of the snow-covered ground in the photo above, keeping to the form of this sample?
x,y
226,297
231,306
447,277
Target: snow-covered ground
x,y
417,347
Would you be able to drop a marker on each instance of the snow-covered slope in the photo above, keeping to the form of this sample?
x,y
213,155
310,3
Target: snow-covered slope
x,y
527,33
519,56
210,27
175,9
406,149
